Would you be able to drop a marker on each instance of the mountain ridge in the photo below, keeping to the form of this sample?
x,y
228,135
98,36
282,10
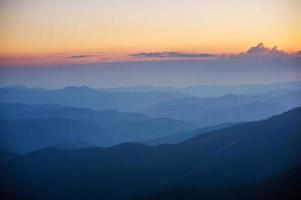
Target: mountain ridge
x,y
240,154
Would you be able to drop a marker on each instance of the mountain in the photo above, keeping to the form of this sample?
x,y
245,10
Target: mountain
x,y
247,112
285,185
102,118
218,90
25,135
87,97
240,154
22,87
147,129
169,103
291,99
6,155
68,145
229,108
177,138
209,116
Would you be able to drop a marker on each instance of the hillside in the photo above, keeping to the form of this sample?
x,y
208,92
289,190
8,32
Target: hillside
x,y
285,185
102,118
25,135
240,154
228,108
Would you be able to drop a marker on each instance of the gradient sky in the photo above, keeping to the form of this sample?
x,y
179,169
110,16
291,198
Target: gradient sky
x,y
120,27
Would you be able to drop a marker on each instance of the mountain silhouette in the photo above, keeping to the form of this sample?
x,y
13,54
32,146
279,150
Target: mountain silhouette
x,y
177,138
241,154
102,118
285,185
25,135
87,97
228,108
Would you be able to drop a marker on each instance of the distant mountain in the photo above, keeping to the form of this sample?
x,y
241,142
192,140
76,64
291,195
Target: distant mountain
x,y
218,90
103,118
286,185
177,138
68,145
248,112
209,116
241,154
87,97
148,129
131,98
169,103
25,135
22,87
225,100
143,88
228,108
291,99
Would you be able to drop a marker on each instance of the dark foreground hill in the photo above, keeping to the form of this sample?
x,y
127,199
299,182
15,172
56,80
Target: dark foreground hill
x,y
240,154
286,185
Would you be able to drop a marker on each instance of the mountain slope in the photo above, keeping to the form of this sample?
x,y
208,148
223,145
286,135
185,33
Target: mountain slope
x,y
147,129
240,154
87,97
177,138
25,135
228,108
102,118
285,185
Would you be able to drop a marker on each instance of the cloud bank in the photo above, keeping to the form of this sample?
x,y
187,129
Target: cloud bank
x,y
172,54
260,50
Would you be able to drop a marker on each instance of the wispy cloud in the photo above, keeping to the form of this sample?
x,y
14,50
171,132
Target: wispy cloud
x,y
81,56
173,54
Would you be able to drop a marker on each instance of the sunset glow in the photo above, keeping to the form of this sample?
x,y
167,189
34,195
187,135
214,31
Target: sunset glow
x,y
121,27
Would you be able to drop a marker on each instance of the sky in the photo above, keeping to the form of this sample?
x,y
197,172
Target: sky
x,y
112,43
98,30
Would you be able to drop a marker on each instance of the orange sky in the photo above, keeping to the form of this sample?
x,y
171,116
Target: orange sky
x,y
44,28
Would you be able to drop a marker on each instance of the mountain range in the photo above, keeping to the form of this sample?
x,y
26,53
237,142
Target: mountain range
x,y
229,108
86,97
177,138
240,154
166,102
25,128
46,111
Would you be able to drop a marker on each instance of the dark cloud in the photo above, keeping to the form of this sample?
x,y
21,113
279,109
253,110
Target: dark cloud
x,y
172,54
81,56
261,50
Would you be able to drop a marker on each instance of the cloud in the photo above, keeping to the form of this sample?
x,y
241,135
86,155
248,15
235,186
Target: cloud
x,y
172,54
81,56
261,50
298,53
